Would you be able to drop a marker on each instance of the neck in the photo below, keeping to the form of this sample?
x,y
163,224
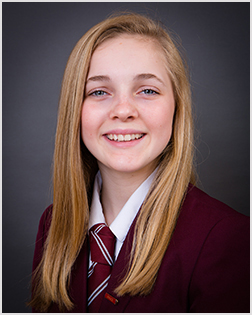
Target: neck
x,y
117,188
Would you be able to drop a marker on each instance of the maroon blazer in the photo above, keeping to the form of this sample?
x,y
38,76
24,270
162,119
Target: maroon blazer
x,y
205,268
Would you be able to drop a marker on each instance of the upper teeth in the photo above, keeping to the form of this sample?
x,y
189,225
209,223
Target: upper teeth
x,y
127,137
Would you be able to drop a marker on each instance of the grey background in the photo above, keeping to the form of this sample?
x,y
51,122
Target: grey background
x,y
37,40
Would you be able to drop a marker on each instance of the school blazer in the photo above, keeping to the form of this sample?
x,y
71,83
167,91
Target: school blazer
x,y
205,268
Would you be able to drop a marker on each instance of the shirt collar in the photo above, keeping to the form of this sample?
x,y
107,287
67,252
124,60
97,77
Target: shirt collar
x,y
124,219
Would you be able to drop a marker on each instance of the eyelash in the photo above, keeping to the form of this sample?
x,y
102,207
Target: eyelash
x,y
149,90
95,93
100,93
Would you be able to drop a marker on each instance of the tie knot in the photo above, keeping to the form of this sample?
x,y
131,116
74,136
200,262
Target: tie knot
x,y
102,244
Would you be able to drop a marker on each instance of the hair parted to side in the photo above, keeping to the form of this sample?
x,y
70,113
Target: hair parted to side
x,y
75,168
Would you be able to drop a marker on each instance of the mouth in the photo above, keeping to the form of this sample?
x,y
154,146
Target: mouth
x,y
124,138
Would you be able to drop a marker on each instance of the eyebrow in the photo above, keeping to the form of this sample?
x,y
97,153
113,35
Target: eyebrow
x,y
146,76
99,78
142,76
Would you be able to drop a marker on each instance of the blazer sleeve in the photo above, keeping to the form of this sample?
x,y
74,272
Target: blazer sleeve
x,y
220,281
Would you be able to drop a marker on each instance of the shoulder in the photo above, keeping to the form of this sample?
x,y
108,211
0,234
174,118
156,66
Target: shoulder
x,y
209,252
217,239
199,208
203,217
210,227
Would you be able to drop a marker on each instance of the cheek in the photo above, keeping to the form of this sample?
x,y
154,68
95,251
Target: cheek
x,y
162,121
164,129
86,124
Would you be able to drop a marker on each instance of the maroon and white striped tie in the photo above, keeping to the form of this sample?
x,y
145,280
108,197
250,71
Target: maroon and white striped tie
x,y
102,245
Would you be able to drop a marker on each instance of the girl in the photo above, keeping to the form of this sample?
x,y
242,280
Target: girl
x,y
123,169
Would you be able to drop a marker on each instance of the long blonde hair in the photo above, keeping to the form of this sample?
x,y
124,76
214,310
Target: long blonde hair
x,y
75,168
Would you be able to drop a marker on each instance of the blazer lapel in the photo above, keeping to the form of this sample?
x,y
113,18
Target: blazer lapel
x,y
109,303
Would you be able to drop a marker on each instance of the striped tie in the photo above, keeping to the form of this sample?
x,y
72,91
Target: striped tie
x,y
102,245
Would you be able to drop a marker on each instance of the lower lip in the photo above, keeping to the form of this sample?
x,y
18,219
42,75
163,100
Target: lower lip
x,y
124,144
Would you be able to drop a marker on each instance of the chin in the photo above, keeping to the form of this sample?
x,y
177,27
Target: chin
x,y
125,169
131,168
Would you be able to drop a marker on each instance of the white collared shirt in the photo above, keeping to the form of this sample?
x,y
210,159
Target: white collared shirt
x,y
121,225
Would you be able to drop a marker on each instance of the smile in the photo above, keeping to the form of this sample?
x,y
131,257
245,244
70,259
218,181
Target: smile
x,y
124,138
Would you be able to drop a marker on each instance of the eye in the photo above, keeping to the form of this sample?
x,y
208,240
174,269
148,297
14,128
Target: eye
x,y
149,92
98,93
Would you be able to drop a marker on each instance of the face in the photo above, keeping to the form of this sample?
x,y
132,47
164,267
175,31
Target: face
x,y
128,108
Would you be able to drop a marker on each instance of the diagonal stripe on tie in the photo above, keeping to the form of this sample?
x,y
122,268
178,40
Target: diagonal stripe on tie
x,y
103,248
91,269
98,290
102,244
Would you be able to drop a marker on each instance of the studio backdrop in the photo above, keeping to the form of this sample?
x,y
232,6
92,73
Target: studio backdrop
x,y
37,40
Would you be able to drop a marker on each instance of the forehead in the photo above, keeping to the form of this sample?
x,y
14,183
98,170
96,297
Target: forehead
x,y
129,51
127,39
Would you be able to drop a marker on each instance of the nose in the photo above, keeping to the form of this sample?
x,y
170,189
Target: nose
x,y
124,109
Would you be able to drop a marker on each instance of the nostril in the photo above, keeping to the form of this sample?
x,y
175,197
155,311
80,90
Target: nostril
x,y
124,112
